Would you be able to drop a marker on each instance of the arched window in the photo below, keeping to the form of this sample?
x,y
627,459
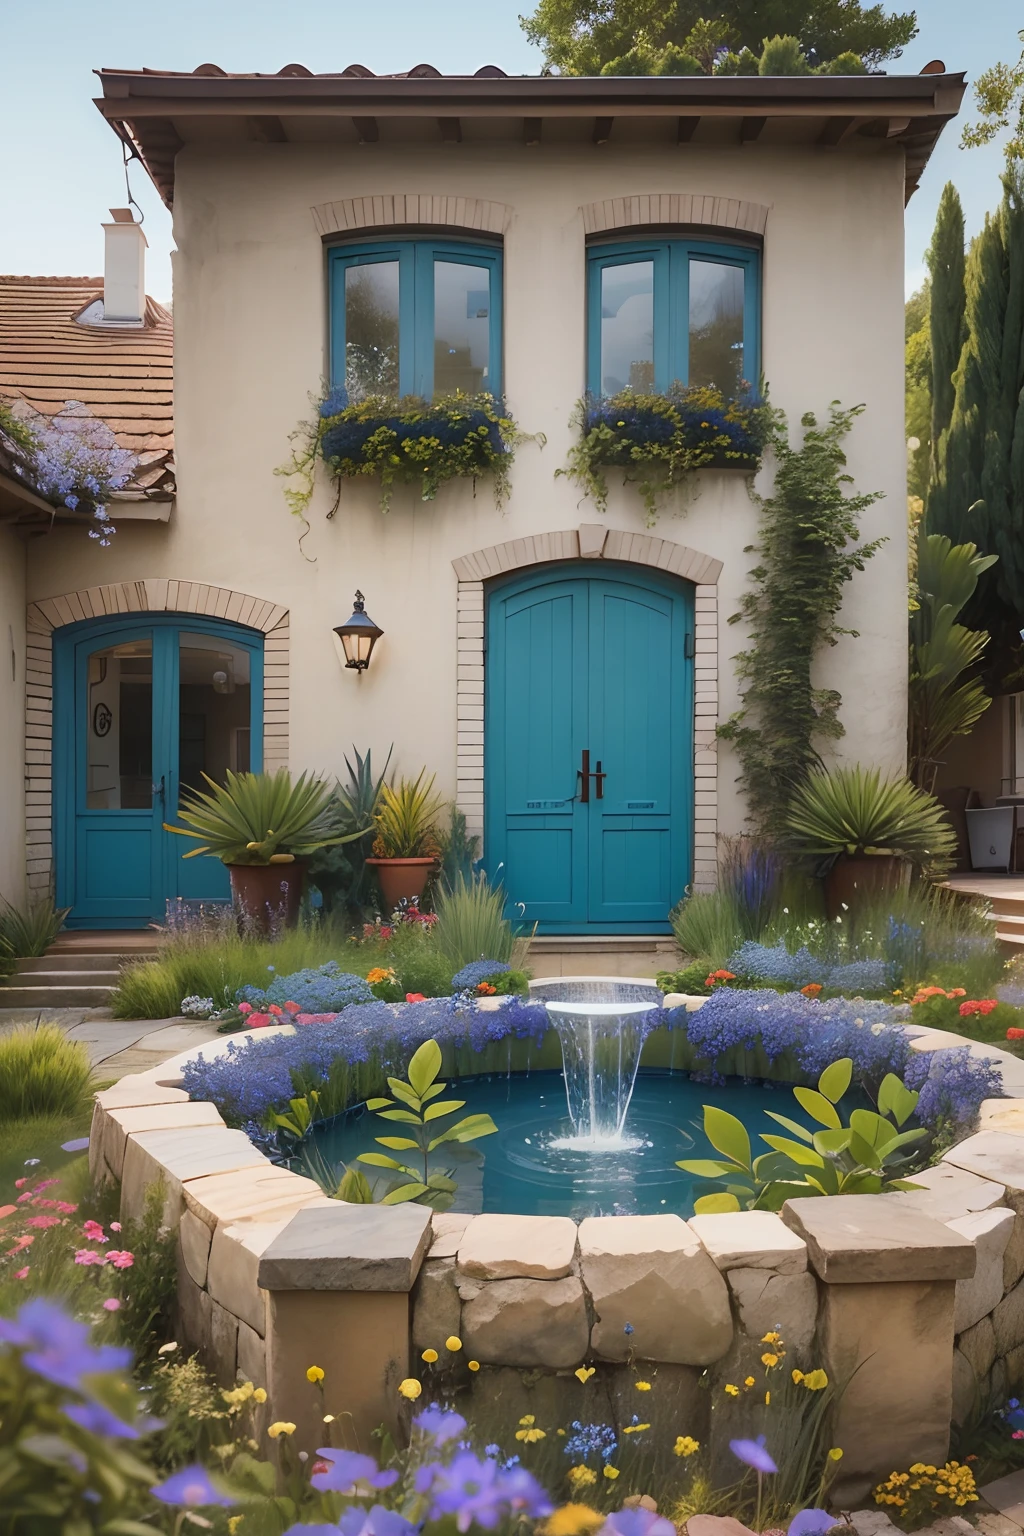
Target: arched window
x,y
415,317
667,310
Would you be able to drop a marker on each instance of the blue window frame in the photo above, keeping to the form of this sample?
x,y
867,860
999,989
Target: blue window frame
x,y
661,311
415,317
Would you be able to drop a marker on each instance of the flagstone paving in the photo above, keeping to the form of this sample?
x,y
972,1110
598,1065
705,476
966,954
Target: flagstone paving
x,y
117,1046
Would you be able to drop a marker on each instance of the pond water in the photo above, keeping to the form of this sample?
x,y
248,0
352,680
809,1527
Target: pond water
x,y
536,1166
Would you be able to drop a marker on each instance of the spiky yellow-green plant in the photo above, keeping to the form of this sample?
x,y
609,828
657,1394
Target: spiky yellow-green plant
x,y
857,811
406,819
261,818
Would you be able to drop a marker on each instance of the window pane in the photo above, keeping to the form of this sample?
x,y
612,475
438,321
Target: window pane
x,y
119,727
371,329
214,703
716,325
627,327
462,308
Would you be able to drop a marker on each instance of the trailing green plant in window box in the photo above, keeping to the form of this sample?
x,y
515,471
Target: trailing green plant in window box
x,y
405,441
658,440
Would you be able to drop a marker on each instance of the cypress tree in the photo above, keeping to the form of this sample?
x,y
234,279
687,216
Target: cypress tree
x,y
948,298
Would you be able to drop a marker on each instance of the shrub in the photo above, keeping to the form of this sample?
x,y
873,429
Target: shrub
x,y
261,818
42,1072
324,989
709,926
29,931
855,811
406,820
471,922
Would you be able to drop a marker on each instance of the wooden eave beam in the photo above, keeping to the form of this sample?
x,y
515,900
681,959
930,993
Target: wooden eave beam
x,y
836,130
451,130
686,127
532,129
268,130
367,129
602,129
751,129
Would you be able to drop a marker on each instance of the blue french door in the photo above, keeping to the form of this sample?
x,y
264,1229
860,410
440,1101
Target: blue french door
x,y
589,748
143,707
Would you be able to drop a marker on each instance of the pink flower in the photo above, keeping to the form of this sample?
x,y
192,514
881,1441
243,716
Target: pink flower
x,y
276,1011
292,1007
65,1207
259,1020
90,1256
43,1221
20,1183
120,1258
23,1242
46,1184
1018,1434
21,1274
245,1008
94,1232
415,997
115,1226
111,1304
26,1196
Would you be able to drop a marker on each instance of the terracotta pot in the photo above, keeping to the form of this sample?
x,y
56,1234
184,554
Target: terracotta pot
x,y
853,879
401,877
268,895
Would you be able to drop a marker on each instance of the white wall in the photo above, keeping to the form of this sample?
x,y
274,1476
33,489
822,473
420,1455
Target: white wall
x,y
12,716
250,341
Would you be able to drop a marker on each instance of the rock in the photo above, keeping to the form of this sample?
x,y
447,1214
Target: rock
x,y
339,1247
641,1501
652,1274
1015,1368
871,1522
861,1238
995,1155
119,1124
175,1157
527,1322
989,1231
499,1396
223,1344
716,1525
1008,1321
978,1345
250,1193
677,1404
195,1237
447,1228
194,1314
252,1356
965,1388
1002,1115
510,1247
946,1191
996,1525
232,1278
134,1090
1006,1495
786,1303
1013,1258
436,1306
751,1240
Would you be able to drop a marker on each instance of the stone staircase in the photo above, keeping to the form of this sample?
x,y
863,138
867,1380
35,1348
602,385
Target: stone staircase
x,y
79,970
640,955
1008,915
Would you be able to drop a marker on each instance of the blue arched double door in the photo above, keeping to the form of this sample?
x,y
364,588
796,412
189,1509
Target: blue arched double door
x,y
588,758
144,705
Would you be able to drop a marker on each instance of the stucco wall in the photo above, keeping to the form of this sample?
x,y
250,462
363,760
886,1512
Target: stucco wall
x,y
250,345
12,713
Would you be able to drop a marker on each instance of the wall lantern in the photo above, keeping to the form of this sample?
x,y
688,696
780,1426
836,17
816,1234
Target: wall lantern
x,y
358,636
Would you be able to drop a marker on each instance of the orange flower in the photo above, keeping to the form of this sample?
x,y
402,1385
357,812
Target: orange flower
x,y
812,989
718,976
415,997
957,992
982,1005
1015,1034
485,989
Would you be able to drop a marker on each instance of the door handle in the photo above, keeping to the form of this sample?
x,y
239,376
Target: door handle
x,y
583,774
600,777
159,789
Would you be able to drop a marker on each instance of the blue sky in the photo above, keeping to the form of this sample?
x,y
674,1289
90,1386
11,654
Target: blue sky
x,y
61,170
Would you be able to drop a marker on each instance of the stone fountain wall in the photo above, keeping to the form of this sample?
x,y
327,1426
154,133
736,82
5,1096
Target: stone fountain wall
x,y
922,1292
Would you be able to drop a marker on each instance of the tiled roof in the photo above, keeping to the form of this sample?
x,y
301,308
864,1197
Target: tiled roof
x,y
121,374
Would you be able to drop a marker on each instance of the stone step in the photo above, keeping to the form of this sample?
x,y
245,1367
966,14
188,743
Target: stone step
x,y
637,955
51,963
84,941
47,997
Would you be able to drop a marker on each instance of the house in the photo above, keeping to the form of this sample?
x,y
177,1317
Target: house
x,y
535,237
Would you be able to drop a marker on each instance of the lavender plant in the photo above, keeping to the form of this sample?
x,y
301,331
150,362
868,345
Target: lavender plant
x,y
75,461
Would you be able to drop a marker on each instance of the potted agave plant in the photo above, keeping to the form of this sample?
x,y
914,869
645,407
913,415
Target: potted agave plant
x,y
870,832
264,828
407,846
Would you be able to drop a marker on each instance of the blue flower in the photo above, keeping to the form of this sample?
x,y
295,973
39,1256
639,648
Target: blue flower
x,y
80,1144
440,1424
56,1346
98,1420
483,1493
477,971
753,1453
349,1467
812,1522
191,1488
638,1522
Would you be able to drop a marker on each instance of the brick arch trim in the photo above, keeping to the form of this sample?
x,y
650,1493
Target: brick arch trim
x,y
155,595
591,541
349,214
728,213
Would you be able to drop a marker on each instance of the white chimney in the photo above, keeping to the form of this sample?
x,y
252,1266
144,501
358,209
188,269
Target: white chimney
x,y
124,269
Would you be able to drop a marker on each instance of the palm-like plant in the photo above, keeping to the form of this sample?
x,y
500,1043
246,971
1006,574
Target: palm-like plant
x,y
261,818
942,651
856,811
406,819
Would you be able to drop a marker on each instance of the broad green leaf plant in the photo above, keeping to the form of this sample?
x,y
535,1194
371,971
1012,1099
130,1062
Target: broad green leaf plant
x,y
261,818
416,1104
864,1157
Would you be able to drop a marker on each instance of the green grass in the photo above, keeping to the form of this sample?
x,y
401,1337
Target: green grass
x,y
42,1073
471,924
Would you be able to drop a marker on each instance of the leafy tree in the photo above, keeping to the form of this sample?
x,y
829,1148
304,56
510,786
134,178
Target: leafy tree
x,y
978,494
918,388
999,95
582,37
948,301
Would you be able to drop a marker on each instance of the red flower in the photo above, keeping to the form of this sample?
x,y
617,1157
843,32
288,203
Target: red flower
x,y
21,1274
415,997
276,1011
293,1008
812,989
486,990
982,1005
1015,1034
244,1008
121,1258
259,1020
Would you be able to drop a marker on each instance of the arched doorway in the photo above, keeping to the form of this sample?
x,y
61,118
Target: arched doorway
x,y
588,762
144,705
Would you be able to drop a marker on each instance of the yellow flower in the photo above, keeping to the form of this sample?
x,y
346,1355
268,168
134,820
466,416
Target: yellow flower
x,y
767,1399
836,1453
234,1521
770,1360
259,1394
584,1373
749,1381
528,1418
582,1476
686,1446
410,1388
453,1342
772,1338
574,1519
798,1377
611,1473
379,973
429,1355
328,1418
815,1381
530,1435
642,1386
473,1365
731,1390
634,1429
282,1427
314,1374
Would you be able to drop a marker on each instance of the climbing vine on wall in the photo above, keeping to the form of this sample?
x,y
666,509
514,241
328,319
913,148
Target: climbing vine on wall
x,y
808,551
